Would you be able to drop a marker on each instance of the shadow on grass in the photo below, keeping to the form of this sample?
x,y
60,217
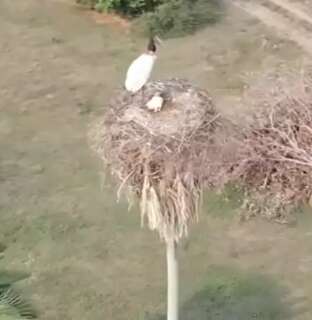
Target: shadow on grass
x,y
228,294
224,205
12,304
9,277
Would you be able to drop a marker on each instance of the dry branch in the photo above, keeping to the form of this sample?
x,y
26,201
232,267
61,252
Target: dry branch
x,y
276,149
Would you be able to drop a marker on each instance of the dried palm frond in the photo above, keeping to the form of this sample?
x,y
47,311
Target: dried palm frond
x,y
13,305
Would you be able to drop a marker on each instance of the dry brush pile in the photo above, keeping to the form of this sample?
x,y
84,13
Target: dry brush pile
x,y
276,148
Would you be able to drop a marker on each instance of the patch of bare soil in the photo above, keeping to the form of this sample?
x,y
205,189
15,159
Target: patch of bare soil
x,y
111,20
289,19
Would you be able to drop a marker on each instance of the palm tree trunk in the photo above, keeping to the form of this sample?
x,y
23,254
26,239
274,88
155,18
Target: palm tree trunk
x,y
173,282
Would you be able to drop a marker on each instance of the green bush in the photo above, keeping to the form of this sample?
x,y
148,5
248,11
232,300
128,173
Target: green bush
x,y
180,17
126,7
164,17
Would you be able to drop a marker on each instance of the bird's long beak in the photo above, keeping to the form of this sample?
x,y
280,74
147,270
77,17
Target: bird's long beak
x,y
158,40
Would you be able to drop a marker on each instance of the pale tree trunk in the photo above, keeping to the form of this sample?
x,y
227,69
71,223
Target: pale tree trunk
x,y
173,281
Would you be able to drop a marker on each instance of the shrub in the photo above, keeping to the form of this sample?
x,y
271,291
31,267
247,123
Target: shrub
x,y
170,18
179,17
126,7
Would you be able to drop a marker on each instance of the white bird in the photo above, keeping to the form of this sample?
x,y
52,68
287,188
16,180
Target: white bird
x,y
156,103
141,68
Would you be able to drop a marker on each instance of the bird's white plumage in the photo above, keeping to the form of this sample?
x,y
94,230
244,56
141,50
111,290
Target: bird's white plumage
x,y
155,104
139,72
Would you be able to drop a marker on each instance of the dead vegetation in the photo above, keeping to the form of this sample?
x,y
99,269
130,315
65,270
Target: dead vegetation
x,y
164,158
275,149
168,158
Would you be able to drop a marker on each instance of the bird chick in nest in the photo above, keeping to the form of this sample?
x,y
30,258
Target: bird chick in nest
x,y
155,103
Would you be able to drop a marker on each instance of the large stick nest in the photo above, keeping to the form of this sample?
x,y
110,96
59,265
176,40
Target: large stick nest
x,y
165,157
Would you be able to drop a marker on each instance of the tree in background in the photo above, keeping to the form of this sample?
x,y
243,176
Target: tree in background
x,y
166,18
126,7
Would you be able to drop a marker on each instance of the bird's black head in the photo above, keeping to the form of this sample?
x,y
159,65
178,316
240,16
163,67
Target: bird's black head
x,y
151,45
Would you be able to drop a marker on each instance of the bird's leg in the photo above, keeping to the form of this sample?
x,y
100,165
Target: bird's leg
x,y
142,93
